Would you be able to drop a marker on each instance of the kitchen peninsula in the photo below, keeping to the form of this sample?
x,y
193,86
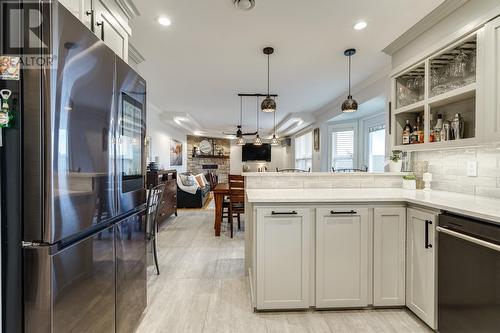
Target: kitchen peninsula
x,y
349,244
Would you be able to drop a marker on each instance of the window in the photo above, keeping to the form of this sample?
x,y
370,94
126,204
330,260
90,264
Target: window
x,y
376,148
303,151
343,149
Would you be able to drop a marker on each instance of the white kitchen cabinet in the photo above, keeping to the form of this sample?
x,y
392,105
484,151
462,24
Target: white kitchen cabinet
x,y
342,257
283,255
421,265
108,28
104,18
74,6
492,75
389,252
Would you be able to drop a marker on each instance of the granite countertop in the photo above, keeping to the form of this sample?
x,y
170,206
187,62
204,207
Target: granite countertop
x,y
470,205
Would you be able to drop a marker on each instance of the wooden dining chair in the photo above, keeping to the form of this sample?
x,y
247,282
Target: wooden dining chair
x,y
236,200
154,202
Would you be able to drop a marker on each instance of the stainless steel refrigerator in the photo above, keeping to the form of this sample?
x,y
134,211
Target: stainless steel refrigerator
x,y
72,173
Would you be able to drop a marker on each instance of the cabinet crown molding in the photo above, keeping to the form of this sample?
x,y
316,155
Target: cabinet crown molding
x,y
135,55
434,17
128,8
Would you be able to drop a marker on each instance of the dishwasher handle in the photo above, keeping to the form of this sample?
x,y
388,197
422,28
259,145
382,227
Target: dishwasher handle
x,y
470,239
427,224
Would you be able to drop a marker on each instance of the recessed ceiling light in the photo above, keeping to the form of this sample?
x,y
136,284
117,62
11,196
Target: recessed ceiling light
x,y
244,4
165,21
360,25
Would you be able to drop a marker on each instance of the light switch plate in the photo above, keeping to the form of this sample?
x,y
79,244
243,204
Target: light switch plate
x,y
472,168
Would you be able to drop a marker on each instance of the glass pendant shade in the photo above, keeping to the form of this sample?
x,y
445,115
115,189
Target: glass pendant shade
x,y
240,141
349,105
257,141
275,141
268,105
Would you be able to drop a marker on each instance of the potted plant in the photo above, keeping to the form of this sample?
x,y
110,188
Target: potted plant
x,y
395,161
410,182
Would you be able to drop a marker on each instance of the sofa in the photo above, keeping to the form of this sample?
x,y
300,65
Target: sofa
x,y
192,200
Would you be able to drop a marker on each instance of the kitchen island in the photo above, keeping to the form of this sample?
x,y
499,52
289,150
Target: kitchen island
x,y
329,248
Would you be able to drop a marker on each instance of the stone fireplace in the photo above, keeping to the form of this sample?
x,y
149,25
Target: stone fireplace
x,y
214,158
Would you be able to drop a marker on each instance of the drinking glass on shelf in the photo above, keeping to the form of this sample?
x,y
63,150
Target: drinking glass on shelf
x,y
419,86
458,71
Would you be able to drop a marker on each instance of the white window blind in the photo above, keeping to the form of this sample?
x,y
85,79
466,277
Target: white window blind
x,y
343,149
376,148
303,151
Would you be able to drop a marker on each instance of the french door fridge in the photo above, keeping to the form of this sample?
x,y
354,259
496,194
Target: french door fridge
x,y
72,172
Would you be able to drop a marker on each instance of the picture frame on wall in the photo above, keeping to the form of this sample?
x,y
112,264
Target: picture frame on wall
x,y
175,153
316,139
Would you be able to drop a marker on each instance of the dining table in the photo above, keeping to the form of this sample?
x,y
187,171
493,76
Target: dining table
x,y
220,191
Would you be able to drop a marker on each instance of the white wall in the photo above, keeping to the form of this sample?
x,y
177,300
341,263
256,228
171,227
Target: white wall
x,y
280,158
161,134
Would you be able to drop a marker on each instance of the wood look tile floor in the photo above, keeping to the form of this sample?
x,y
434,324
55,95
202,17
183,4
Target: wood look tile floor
x,y
203,288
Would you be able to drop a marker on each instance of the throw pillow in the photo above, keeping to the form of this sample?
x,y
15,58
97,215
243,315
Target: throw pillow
x,y
187,179
200,180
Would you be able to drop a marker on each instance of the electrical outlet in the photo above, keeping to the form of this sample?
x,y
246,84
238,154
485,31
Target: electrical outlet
x,y
472,168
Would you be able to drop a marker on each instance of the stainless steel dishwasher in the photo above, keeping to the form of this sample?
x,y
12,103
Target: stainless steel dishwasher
x,y
468,275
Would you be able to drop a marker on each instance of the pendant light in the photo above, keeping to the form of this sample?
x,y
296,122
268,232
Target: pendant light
x,y
268,104
274,140
257,141
240,141
349,105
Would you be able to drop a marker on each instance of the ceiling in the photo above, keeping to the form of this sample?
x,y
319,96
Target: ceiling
x,y
212,51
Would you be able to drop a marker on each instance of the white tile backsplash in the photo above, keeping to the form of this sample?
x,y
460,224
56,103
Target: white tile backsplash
x,y
449,169
325,181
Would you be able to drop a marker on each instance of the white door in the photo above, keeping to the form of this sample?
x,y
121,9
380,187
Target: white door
x,y
283,236
109,29
491,85
421,265
389,240
341,257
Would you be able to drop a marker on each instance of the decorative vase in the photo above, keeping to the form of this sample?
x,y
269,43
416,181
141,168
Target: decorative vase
x,y
395,166
409,184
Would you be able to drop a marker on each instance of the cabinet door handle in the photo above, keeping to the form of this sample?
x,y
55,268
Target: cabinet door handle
x,y
427,224
101,24
284,213
92,19
343,213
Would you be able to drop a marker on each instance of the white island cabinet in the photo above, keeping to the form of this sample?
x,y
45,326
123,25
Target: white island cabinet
x,y
389,251
283,236
421,265
341,257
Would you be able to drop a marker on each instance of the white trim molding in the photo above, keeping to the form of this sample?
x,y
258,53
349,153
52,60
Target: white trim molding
x,y
128,8
434,17
135,55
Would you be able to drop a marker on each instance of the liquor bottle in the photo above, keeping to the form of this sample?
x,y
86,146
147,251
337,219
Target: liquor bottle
x,y
407,133
438,127
420,131
414,135
432,136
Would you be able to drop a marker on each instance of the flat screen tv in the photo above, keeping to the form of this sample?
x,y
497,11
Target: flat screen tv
x,y
252,152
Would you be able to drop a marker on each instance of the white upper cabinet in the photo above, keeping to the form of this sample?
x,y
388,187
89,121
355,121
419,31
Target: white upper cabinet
x,y
109,29
492,74
449,81
283,258
421,265
342,257
106,20
389,240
